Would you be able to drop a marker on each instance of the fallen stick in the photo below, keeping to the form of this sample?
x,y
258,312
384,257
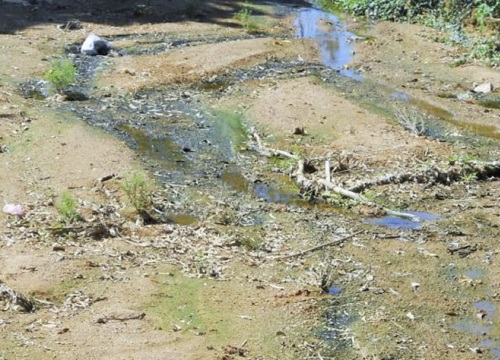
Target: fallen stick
x,y
271,152
434,175
105,319
328,174
364,200
301,180
321,246
106,178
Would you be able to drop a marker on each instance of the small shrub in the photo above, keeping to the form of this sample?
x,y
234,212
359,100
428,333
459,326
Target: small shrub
x,y
483,11
244,16
138,191
412,121
468,178
67,208
61,74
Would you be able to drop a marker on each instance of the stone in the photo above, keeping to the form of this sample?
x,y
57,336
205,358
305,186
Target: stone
x,y
484,88
94,45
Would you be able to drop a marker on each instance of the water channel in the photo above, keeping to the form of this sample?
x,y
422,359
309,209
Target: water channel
x,y
182,132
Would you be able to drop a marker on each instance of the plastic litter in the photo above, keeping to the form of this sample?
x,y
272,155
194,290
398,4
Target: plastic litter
x,y
13,209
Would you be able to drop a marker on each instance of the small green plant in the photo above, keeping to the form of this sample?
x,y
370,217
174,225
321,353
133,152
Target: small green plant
x,y
138,191
470,159
453,158
250,243
335,199
468,178
67,208
61,74
282,164
244,16
483,11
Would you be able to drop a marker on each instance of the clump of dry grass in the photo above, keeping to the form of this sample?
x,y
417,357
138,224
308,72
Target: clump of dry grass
x,y
412,121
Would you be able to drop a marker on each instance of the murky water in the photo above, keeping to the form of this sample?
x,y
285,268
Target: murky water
x,y
161,150
334,41
267,192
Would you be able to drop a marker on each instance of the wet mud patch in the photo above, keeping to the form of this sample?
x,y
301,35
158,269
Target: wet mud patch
x,y
336,321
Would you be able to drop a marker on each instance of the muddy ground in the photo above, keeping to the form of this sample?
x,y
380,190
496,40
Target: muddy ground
x,y
213,269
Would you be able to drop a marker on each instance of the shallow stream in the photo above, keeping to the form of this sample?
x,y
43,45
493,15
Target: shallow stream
x,y
186,143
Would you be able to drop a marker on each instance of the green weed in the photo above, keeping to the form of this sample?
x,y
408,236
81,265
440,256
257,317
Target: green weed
x,y
67,208
282,164
61,74
250,243
484,11
138,191
468,178
244,16
335,199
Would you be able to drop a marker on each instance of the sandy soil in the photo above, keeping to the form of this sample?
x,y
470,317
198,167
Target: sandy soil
x,y
147,292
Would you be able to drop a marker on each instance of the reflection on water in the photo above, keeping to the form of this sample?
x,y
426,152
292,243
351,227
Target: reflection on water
x,y
333,39
394,222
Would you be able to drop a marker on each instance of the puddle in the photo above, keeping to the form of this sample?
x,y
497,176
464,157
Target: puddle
x,y
269,193
474,274
493,346
334,290
487,307
334,41
471,327
395,222
482,327
400,96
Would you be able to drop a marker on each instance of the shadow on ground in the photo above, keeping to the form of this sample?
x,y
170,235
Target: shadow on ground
x,y
19,14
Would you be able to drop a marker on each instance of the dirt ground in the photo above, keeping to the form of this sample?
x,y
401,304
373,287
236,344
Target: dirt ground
x,y
231,284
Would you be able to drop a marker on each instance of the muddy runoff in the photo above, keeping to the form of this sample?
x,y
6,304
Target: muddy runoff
x,y
374,298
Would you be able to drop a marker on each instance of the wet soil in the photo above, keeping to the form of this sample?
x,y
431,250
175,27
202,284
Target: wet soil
x,y
216,268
